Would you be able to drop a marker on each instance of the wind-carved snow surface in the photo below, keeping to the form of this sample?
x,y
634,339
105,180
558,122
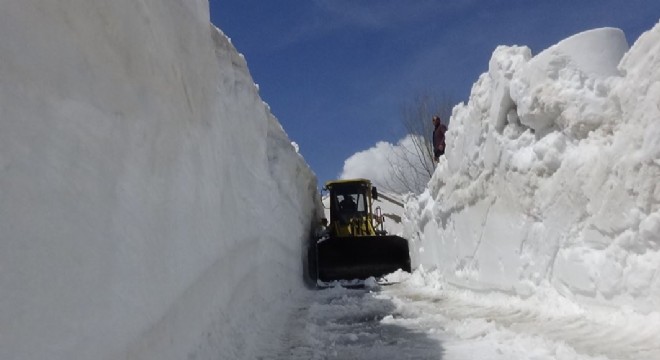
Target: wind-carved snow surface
x,y
550,180
151,206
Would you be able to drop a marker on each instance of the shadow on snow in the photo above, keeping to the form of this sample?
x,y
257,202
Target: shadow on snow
x,y
341,323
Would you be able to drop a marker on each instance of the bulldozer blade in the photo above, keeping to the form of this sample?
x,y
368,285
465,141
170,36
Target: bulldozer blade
x,y
361,257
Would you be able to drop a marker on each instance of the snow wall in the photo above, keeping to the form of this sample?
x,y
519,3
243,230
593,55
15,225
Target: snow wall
x,y
151,206
552,176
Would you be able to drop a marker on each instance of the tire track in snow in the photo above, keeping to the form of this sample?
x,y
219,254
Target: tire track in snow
x,y
339,323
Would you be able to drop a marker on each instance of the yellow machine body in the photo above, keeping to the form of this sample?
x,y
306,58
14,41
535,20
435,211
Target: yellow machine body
x,y
352,247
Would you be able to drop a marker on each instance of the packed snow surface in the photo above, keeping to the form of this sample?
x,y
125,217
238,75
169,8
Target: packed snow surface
x,y
550,180
420,318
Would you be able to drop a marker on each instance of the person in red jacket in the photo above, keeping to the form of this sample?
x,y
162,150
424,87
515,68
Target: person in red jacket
x,y
439,130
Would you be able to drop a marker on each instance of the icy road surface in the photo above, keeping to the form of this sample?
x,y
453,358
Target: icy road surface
x,y
408,322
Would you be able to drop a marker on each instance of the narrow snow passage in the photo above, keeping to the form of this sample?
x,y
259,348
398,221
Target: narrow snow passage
x,y
342,323
403,321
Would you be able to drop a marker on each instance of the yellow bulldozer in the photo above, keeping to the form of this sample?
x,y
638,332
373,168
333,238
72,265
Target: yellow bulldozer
x,y
354,244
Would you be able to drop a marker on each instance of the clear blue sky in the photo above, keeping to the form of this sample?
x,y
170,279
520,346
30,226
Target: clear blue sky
x,y
337,72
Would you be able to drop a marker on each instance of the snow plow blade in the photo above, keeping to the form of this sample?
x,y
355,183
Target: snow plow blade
x,y
361,257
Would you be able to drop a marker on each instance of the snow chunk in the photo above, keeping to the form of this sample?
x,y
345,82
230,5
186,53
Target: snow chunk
x,y
563,87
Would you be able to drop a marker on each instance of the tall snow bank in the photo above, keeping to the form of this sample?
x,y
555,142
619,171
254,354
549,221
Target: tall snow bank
x,y
551,175
151,207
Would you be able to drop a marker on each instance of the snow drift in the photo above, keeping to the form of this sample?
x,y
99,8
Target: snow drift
x,y
151,206
551,175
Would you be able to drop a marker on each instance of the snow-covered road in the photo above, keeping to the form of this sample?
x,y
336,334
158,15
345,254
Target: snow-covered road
x,y
342,323
404,321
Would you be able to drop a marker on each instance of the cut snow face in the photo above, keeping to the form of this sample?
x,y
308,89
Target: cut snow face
x,y
151,204
550,176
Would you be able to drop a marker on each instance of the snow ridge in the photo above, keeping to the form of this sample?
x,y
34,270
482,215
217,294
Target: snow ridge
x,y
550,177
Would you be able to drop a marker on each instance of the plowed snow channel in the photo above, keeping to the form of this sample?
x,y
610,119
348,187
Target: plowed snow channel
x,y
402,321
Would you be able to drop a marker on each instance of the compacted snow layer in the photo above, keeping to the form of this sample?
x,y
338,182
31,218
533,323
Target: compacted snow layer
x,y
151,206
416,319
551,176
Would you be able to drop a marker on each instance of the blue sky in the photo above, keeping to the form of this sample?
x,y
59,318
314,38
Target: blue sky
x,y
336,73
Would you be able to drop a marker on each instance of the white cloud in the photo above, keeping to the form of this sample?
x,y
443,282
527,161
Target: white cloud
x,y
382,162
372,163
